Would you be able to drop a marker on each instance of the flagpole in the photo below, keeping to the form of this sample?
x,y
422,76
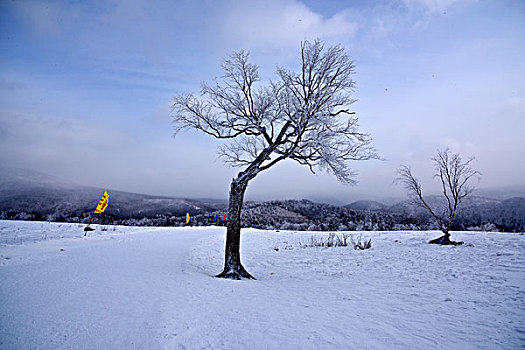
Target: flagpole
x,y
89,223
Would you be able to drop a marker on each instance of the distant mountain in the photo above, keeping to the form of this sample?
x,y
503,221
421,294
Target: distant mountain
x,y
508,213
367,205
30,195
502,193
29,191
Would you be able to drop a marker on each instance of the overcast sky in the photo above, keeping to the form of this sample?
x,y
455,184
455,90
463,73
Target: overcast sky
x,y
85,88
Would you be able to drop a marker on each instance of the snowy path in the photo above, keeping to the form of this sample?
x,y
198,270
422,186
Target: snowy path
x,y
101,293
152,288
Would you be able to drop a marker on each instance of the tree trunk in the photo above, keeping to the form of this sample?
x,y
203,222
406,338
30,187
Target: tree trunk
x,y
233,268
444,240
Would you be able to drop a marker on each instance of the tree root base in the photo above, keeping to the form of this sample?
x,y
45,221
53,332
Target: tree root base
x,y
235,274
444,240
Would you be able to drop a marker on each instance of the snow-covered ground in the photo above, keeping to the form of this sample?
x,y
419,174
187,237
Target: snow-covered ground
x,y
152,288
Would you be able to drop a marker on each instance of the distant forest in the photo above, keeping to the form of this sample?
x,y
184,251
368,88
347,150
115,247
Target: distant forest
x,y
298,215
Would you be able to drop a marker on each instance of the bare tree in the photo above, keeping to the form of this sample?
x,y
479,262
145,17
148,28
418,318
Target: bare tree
x,y
455,176
304,117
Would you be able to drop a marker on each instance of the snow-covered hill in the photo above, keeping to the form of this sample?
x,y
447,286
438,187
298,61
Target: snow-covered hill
x,y
29,191
368,205
153,288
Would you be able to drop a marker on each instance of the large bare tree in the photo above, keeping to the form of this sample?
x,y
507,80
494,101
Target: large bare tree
x,y
303,116
455,176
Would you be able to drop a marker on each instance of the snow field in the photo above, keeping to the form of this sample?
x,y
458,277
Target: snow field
x,y
148,288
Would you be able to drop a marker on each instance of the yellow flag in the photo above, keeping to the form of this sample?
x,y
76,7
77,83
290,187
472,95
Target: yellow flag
x,y
103,203
187,217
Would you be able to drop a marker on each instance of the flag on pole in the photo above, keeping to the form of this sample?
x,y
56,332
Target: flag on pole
x,y
215,219
224,217
187,217
102,205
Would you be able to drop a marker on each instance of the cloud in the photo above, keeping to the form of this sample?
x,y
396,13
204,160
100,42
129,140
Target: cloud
x,y
463,147
138,41
43,17
12,85
279,24
517,103
431,6
99,155
36,139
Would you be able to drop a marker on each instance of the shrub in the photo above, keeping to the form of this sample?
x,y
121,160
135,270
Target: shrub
x,y
335,240
360,243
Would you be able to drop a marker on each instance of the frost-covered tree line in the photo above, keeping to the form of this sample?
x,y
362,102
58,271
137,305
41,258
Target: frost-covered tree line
x,y
302,215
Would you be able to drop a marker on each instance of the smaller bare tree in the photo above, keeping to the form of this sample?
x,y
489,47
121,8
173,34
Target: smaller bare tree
x,y
455,176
